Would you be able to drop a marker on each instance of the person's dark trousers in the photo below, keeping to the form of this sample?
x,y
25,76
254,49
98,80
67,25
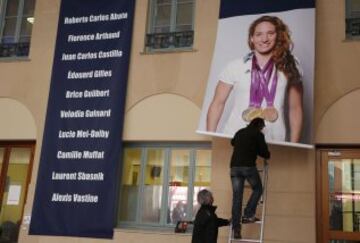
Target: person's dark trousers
x,y
238,177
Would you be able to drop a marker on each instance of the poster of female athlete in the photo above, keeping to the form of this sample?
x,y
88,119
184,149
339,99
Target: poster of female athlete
x,y
263,66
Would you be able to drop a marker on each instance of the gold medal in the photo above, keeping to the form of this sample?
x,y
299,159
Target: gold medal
x,y
270,114
250,113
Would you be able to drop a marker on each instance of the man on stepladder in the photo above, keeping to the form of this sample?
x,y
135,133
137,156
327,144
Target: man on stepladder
x,y
248,143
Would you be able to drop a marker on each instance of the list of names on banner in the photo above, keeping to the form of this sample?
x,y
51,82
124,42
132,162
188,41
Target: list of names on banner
x,y
73,94
81,150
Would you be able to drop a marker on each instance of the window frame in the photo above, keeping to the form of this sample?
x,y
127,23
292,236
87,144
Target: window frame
x,y
324,154
348,18
193,147
19,16
152,6
8,146
16,43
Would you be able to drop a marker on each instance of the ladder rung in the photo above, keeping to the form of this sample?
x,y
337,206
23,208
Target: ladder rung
x,y
256,222
244,240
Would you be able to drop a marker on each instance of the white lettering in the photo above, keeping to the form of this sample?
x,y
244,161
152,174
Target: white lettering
x,y
110,54
99,18
82,176
69,155
73,94
80,75
87,198
93,154
102,73
63,176
68,57
96,93
107,35
79,38
67,134
76,20
72,114
98,113
118,16
56,197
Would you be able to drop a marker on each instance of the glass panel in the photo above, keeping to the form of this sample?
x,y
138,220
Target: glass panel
x,y
352,18
153,180
130,184
178,185
355,8
24,39
9,30
202,175
26,28
15,188
29,7
344,194
12,7
162,18
184,18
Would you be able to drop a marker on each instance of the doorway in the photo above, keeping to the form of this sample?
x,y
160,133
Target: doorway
x,y
16,160
338,195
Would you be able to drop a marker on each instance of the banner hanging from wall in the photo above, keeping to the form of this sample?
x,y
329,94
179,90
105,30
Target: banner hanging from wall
x,y
81,148
263,66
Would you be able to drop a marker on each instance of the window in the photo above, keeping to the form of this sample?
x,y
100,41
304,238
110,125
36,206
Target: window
x,y
352,19
170,25
160,183
16,19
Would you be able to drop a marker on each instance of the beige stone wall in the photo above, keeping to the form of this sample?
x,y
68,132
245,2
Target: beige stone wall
x,y
27,81
291,193
337,67
183,76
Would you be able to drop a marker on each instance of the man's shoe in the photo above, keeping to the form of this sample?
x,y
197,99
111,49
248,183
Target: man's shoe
x,y
250,220
237,234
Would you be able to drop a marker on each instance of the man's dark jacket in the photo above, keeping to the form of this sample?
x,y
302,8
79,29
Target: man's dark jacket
x,y
206,225
248,142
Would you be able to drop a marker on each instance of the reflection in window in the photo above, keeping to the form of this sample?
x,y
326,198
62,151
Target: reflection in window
x,y
352,19
16,27
178,184
160,182
16,181
153,185
344,194
202,175
170,24
130,184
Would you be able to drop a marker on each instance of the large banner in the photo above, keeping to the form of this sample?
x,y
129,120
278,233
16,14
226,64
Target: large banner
x,y
263,66
81,148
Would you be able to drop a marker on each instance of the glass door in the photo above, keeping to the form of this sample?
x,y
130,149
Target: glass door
x,y
340,198
16,165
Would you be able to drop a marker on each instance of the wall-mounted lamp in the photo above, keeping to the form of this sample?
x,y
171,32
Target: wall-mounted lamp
x,y
30,20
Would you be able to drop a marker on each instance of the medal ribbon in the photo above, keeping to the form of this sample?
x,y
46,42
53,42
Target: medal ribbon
x,y
259,84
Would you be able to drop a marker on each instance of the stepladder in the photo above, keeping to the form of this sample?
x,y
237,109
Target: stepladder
x,y
255,229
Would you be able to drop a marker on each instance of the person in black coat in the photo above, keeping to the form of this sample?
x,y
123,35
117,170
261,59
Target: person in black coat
x,y
206,222
248,143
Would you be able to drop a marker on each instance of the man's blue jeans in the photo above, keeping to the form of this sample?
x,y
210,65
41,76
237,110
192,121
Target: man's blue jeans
x,y
238,177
